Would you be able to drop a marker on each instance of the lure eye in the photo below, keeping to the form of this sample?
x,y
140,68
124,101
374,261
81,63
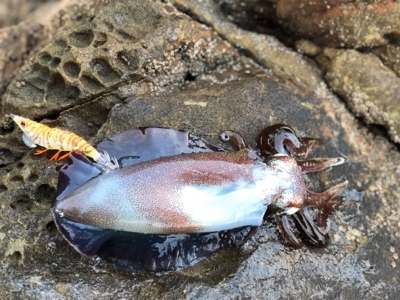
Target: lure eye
x,y
23,124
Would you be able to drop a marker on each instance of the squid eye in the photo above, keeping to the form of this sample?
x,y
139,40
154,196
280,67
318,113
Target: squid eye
x,y
23,124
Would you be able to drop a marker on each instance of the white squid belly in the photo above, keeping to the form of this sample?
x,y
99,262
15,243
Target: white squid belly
x,y
155,199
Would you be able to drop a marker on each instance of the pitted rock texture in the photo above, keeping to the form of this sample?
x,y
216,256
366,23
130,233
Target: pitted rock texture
x,y
20,43
356,262
371,89
115,49
16,44
195,80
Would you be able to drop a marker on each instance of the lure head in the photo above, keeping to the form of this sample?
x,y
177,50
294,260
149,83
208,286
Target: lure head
x,y
29,128
25,124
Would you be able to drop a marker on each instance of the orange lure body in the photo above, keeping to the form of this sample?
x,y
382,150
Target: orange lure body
x,y
58,139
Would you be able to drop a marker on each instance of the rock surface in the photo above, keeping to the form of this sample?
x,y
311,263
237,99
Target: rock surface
x,y
163,68
332,23
266,50
113,49
390,56
16,45
370,88
14,12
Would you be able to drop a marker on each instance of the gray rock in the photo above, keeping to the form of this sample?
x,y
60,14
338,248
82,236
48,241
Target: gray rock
x,y
390,56
17,45
197,81
370,88
329,23
114,49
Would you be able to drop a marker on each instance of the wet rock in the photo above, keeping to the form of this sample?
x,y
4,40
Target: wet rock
x,y
266,50
106,52
308,48
370,88
390,56
21,42
352,264
208,93
16,45
93,114
332,23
